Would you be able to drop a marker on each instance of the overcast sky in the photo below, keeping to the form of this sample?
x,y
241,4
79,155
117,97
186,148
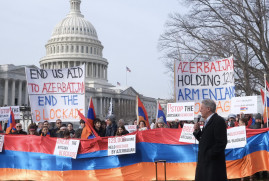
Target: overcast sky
x,y
128,29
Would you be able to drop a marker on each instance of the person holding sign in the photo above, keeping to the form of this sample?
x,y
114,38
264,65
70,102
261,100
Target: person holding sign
x,y
211,165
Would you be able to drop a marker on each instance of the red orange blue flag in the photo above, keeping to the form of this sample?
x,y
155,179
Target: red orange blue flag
x,y
160,113
11,124
141,112
88,132
265,105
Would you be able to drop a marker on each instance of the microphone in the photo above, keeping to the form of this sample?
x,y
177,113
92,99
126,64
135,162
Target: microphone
x,y
198,118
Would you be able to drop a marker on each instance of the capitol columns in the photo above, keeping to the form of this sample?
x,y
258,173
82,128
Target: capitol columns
x,y
13,93
20,91
26,94
6,92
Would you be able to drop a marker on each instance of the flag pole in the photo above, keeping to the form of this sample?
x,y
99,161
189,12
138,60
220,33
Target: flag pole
x,y
265,100
126,75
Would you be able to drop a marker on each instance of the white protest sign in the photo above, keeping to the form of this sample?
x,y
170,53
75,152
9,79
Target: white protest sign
x,y
181,111
66,147
5,112
121,145
247,105
2,139
56,93
236,137
196,81
131,128
187,134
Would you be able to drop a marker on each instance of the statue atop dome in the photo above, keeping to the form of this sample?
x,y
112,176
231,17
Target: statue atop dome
x,y
75,8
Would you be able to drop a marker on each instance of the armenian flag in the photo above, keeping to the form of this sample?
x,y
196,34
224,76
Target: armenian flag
x,y
160,113
11,124
141,112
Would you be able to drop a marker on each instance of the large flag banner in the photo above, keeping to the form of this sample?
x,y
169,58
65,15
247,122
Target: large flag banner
x,y
5,112
195,81
56,93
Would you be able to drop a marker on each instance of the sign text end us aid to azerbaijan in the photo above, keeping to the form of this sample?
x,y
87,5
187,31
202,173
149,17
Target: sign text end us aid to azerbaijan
x,y
56,93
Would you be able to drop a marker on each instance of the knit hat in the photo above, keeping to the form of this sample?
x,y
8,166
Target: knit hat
x,y
258,116
112,118
160,120
231,116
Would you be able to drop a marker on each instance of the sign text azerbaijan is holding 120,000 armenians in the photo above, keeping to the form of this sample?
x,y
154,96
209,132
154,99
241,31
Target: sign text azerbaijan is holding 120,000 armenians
x,y
195,81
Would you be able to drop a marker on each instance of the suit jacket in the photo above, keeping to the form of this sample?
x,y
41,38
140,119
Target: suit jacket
x,y
211,165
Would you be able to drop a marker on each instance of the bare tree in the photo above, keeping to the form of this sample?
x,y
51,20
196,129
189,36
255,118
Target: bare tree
x,y
215,29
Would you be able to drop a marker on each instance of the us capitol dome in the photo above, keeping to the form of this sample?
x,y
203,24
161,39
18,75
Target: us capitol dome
x,y
74,42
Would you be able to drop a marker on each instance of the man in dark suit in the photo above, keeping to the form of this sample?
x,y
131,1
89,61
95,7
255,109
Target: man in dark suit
x,y
211,165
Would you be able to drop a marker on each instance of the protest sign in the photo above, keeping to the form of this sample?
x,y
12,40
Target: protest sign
x,y
2,139
181,111
131,128
66,147
247,105
187,134
5,112
236,137
196,81
56,93
121,145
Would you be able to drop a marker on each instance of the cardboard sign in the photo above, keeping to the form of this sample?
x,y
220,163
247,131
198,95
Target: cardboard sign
x,y
196,81
2,139
5,112
236,137
56,93
180,111
66,147
131,128
187,134
121,145
247,105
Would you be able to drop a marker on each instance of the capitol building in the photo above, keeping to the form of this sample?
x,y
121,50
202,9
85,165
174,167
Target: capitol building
x,y
75,42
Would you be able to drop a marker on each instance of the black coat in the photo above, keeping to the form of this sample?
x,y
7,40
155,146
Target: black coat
x,y
211,165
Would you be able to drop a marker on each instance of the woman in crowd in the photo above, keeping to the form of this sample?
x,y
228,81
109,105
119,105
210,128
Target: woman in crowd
x,y
32,130
121,131
98,127
160,123
142,125
45,131
71,130
103,124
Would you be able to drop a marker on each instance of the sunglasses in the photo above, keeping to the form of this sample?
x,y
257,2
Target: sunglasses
x,y
59,123
18,126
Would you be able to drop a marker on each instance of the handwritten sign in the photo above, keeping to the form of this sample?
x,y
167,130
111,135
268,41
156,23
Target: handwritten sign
x,y
181,111
56,93
131,128
236,137
5,112
66,147
187,134
196,81
2,139
121,145
247,105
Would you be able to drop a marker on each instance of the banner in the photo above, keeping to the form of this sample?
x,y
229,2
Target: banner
x,y
121,145
195,81
56,93
2,139
236,137
66,147
5,112
131,128
247,105
180,111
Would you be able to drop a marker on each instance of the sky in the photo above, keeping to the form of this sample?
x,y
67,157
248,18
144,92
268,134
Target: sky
x,y
128,29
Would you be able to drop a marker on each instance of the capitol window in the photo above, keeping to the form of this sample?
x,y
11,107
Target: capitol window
x,y
72,48
77,48
87,49
82,49
91,50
